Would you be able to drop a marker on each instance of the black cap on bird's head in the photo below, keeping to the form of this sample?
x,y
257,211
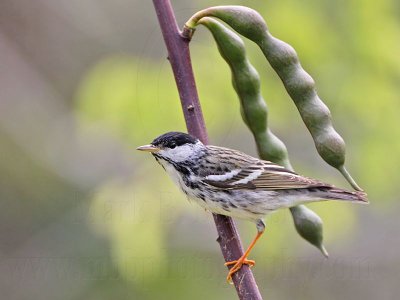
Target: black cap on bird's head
x,y
173,139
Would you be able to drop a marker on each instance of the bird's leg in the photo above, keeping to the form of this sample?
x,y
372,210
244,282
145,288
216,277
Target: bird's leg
x,y
237,264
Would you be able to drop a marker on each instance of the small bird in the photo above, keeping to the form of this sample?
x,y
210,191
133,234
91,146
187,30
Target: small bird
x,y
228,182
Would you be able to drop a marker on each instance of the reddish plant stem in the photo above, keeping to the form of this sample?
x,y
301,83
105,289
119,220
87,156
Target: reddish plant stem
x,y
179,57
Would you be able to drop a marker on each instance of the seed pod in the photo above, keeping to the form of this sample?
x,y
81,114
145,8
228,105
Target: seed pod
x,y
309,225
298,83
246,83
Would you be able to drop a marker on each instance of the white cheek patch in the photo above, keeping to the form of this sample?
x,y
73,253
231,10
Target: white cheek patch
x,y
248,178
181,153
223,177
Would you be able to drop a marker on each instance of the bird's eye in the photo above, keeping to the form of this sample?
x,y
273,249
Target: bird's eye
x,y
172,146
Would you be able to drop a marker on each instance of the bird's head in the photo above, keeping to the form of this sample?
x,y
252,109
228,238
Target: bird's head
x,y
176,147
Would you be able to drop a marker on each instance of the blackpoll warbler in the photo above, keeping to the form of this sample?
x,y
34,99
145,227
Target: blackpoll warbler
x,y
229,182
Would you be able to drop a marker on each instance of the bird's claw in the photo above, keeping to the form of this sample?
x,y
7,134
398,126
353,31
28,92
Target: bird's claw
x,y
237,264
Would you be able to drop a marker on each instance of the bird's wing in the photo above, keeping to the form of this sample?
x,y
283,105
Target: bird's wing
x,y
246,172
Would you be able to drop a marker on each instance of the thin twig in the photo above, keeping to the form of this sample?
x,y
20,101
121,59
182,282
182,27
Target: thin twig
x,y
179,57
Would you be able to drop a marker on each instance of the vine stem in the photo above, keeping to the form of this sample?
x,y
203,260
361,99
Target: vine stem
x,y
179,58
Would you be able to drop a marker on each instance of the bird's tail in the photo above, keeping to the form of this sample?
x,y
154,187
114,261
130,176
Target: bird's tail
x,y
335,193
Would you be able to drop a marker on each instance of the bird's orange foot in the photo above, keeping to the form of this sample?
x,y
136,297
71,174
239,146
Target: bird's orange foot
x,y
237,264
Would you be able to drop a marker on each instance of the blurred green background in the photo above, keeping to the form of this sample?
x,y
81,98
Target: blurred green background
x,y
84,216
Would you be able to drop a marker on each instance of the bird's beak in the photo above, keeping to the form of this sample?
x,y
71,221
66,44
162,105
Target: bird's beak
x,y
148,148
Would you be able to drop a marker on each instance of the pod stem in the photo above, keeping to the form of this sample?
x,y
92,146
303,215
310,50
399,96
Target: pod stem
x,y
179,57
192,22
190,25
347,176
324,252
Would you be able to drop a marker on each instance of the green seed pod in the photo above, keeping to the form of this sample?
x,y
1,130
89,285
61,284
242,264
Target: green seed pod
x,y
298,83
246,83
309,225
301,88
